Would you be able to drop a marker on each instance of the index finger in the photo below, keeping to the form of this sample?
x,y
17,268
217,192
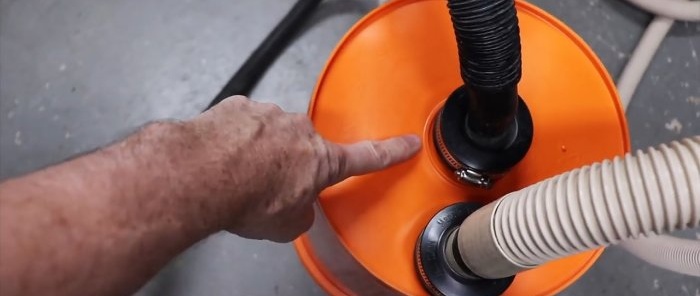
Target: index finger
x,y
369,156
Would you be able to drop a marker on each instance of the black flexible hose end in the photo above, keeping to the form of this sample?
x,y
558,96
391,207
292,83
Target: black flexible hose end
x,y
492,121
488,40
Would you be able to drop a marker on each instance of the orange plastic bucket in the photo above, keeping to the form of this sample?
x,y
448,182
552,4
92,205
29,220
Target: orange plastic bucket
x,y
389,76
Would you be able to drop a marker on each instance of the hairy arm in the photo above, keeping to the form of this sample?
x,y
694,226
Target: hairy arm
x,y
104,223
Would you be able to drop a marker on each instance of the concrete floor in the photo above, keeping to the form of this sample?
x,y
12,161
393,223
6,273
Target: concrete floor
x,y
78,74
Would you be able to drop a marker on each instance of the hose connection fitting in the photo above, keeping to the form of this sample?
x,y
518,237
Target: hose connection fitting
x,y
618,201
474,163
438,261
485,128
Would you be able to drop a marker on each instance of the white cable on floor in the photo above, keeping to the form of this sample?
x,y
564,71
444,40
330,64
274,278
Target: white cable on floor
x,y
617,200
641,58
680,10
666,11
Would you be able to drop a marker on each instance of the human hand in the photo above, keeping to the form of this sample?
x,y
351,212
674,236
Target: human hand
x,y
272,165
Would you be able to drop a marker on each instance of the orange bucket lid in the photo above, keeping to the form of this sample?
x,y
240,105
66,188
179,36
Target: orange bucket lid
x,y
389,76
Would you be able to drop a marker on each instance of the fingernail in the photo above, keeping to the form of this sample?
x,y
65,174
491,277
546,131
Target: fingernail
x,y
413,140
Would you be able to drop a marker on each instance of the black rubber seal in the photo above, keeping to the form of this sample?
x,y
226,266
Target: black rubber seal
x,y
435,274
453,135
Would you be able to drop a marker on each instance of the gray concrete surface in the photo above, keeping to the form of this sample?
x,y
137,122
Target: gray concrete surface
x,y
78,74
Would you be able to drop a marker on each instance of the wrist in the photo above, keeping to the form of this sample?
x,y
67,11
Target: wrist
x,y
205,173
167,160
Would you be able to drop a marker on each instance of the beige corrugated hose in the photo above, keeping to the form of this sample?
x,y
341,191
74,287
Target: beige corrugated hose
x,y
663,251
668,252
620,200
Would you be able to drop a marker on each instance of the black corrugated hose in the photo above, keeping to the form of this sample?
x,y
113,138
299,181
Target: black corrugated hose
x,y
489,53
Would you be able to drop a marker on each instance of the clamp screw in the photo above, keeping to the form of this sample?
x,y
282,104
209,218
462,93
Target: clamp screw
x,y
469,176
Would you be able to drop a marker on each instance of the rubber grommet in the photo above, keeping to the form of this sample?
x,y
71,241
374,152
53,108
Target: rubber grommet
x,y
435,274
460,152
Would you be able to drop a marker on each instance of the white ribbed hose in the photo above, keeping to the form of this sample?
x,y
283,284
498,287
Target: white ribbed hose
x,y
676,9
626,198
657,250
668,252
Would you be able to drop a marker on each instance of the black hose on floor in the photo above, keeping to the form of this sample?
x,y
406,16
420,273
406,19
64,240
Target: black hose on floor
x,y
245,79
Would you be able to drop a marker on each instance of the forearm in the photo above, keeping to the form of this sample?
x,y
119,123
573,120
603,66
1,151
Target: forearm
x,y
104,223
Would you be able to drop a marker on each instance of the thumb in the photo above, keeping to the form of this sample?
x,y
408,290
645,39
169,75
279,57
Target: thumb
x,y
370,156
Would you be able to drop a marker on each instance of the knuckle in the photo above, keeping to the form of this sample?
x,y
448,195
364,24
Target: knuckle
x,y
270,108
301,119
309,221
379,152
333,160
234,102
238,100
306,191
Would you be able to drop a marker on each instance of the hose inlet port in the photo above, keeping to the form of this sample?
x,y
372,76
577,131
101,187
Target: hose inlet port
x,y
437,258
485,116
